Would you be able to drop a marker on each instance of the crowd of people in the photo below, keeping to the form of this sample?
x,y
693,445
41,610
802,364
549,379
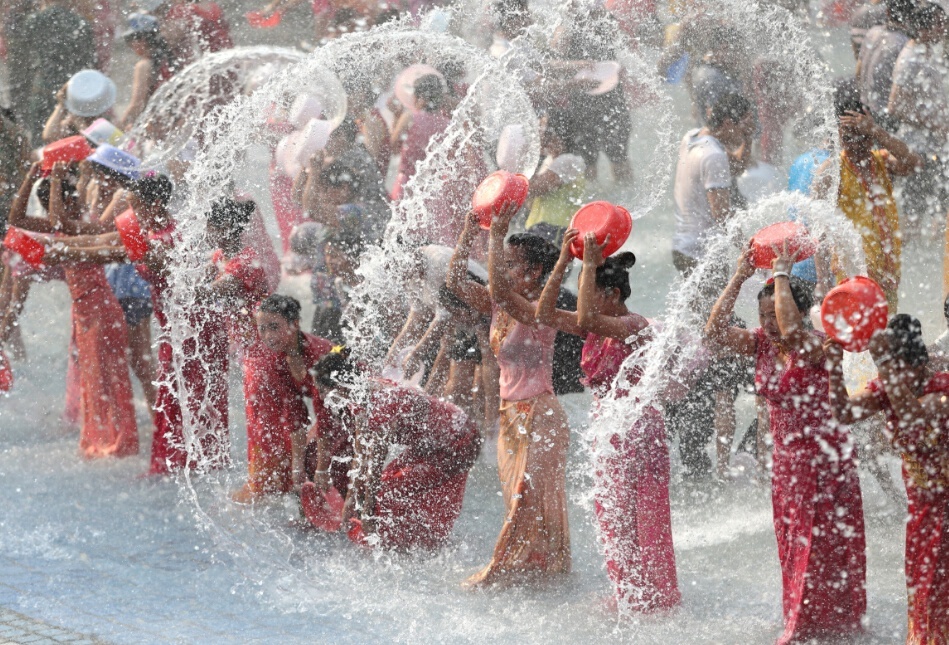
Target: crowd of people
x,y
483,335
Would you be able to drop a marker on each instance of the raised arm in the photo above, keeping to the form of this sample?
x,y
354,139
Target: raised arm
x,y
845,408
470,292
53,129
141,91
900,160
719,330
795,334
547,312
18,216
502,291
589,318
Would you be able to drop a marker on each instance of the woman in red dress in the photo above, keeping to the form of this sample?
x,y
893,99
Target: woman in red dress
x,y
276,382
240,280
107,425
413,500
815,491
915,402
632,491
203,355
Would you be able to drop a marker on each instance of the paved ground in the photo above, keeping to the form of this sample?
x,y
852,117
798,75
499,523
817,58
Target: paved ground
x,y
17,628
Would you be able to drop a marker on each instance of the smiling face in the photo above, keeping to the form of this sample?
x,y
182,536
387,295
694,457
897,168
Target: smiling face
x,y
276,332
768,319
522,275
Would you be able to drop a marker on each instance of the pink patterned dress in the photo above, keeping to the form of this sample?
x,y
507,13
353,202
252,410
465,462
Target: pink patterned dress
x,y
632,491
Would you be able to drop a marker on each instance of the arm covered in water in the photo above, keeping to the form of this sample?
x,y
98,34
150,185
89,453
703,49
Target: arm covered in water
x,y
795,334
470,292
589,318
845,408
719,330
503,293
547,312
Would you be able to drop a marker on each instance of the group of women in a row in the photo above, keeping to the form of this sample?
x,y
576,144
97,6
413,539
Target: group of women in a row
x,y
414,499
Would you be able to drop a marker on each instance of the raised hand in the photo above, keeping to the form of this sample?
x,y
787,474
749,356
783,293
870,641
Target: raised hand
x,y
568,239
783,259
593,250
746,264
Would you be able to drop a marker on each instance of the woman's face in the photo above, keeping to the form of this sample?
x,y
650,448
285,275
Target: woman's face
x,y
138,46
520,273
768,319
276,332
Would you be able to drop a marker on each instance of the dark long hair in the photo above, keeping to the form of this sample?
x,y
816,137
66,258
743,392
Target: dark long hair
x,y
614,273
801,290
537,251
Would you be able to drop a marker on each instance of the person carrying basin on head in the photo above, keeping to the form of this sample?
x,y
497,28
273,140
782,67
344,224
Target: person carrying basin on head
x,y
815,490
534,542
107,425
632,481
913,397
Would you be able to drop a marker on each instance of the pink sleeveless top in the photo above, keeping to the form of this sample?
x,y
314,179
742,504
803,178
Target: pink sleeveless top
x,y
525,356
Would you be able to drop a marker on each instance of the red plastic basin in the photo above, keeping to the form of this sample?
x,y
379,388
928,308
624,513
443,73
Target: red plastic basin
x,y
70,149
133,239
601,219
323,510
6,374
497,189
852,311
794,234
258,20
29,249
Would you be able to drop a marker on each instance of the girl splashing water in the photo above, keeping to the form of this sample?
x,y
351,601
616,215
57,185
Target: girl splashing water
x,y
632,503
414,499
915,401
534,434
815,491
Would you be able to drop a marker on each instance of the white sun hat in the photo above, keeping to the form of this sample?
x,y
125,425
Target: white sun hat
x,y
89,93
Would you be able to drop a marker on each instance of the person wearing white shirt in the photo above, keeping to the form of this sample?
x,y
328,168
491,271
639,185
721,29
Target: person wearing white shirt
x,y
918,100
703,177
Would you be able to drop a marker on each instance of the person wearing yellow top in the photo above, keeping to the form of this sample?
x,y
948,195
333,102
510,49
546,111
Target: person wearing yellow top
x,y
558,188
865,191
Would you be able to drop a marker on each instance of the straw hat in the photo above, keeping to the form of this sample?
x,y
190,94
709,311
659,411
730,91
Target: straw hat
x,y
89,93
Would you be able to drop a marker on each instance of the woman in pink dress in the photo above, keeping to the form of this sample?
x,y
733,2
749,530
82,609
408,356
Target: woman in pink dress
x,y
534,435
632,481
914,399
815,491
108,425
